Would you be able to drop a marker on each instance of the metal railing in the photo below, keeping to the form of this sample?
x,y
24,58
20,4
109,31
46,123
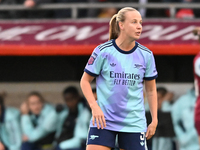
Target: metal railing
x,y
75,6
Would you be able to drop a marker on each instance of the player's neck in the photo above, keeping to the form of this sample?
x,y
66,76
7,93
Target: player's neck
x,y
125,44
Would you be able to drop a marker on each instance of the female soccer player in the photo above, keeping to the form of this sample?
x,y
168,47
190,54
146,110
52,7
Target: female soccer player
x,y
120,66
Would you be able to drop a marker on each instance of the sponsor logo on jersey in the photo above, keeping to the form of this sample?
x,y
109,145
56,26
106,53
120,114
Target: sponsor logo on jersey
x,y
138,66
92,137
124,75
123,78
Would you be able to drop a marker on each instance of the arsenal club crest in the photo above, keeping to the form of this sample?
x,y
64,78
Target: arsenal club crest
x,y
92,58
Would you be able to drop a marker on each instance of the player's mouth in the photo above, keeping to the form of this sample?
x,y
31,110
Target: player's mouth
x,y
138,33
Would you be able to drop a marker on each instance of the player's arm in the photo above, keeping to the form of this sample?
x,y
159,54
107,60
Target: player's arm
x,y
197,74
151,93
97,114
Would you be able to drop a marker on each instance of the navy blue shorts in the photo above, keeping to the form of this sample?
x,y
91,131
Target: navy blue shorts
x,y
127,141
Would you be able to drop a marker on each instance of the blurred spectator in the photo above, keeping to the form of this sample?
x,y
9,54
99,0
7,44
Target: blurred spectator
x,y
107,12
196,32
143,10
34,3
73,121
155,12
37,123
165,99
10,133
104,12
8,14
67,13
196,10
182,13
185,13
91,13
35,14
183,120
171,1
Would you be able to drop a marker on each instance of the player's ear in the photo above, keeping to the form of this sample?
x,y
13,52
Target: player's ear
x,y
121,25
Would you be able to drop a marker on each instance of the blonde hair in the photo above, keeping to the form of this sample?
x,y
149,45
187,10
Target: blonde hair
x,y
114,29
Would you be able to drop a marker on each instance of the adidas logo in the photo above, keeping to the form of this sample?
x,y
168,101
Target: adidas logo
x,y
92,137
113,64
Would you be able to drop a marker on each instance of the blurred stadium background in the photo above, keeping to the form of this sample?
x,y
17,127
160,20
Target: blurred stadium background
x,y
45,47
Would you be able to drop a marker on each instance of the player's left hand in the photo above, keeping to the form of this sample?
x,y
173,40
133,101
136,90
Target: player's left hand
x,y
151,130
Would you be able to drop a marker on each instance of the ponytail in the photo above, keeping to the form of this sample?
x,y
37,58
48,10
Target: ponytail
x,y
114,28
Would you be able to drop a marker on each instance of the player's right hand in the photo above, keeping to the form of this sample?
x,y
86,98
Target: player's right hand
x,y
98,117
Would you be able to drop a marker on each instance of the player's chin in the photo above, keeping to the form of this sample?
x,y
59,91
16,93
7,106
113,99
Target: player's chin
x,y
136,37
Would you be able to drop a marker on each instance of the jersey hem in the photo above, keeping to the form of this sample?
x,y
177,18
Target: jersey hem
x,y
90,73
126,131
136,131
151,78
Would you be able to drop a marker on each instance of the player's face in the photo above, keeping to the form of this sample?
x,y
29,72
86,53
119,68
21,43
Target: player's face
x,y
132,26
35,105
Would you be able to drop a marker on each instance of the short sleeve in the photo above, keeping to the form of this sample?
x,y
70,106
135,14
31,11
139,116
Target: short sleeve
x,y
94,64
197,67
150,72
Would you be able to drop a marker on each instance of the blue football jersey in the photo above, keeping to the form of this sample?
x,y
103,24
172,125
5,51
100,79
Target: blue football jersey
x,y
119,82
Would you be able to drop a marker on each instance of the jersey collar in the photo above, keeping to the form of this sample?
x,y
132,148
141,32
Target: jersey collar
x,y
122,51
